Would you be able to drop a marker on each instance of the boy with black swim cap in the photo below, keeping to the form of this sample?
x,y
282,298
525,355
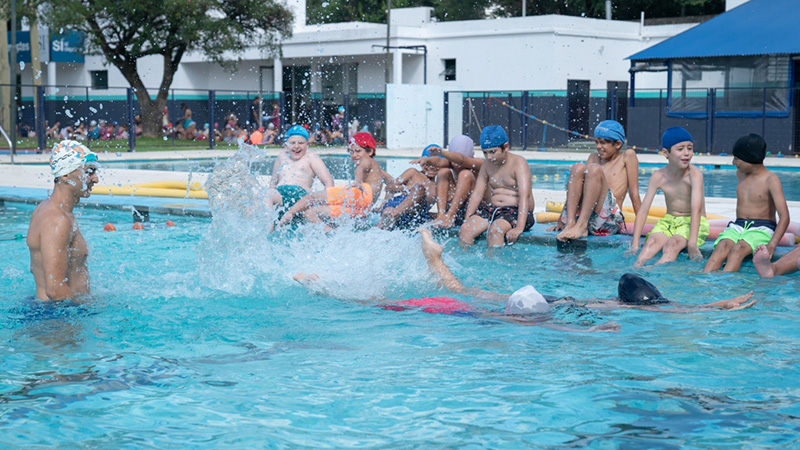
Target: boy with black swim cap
x,y
759,196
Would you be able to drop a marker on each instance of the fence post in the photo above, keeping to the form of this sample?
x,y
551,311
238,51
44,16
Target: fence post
x,y
131,125
524,119
710,119
41,137
446,114
346,125
509,118
660,116
212,119
172,128
764,115
483,113
612,108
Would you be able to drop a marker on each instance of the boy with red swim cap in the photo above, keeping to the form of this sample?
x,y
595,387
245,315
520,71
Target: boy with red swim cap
x,y
352,200
58,250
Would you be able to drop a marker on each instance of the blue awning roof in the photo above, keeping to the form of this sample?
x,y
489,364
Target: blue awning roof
x,y
758,27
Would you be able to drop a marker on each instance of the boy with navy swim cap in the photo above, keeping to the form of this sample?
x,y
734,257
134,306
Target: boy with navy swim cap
x,y
505,178
58,250
597,188
759,196
684,225
294,171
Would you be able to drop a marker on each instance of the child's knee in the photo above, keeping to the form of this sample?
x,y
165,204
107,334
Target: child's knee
x,y
578,167
466,176
594,170
742,248
500,226
444,174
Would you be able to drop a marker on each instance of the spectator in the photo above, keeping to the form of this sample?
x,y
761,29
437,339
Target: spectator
x,y
255,114
337,120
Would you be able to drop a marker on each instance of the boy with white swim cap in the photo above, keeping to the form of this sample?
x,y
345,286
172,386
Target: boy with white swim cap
x,y
58,250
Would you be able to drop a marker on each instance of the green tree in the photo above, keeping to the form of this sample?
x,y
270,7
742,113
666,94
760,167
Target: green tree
x,y
127,30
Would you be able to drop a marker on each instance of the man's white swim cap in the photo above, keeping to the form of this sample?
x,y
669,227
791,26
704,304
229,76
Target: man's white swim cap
x,y
68,156
526,301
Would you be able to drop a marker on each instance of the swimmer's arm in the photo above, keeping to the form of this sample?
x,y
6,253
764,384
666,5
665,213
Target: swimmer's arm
x,y
55,258
641,214
696,179
632,172
321,171
477,194
432,160
731,304
776,192
461,160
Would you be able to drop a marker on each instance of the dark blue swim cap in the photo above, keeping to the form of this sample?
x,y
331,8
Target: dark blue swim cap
x,y
635,290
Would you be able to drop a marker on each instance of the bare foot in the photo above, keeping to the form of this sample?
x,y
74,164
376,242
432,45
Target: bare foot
x,y
557,227
735,303
429,247
306,279
572,233
761,260
444,221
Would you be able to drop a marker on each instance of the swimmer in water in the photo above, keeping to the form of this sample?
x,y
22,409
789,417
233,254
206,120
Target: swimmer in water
x,y
525,305
58,250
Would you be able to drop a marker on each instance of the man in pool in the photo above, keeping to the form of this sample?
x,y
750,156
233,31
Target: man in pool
x,y
58,250
526,304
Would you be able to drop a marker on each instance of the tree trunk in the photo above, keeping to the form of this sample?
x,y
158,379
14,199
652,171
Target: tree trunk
x,y
152,111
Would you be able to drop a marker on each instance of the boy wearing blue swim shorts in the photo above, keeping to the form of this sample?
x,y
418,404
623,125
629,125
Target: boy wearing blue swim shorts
x,y
759,197
684,225
409,196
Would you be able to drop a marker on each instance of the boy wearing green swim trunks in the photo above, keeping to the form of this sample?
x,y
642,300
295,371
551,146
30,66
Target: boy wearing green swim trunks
x,y
684,226
294,171
759,197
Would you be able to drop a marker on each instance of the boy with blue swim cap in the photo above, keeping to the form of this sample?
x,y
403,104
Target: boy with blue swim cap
x,y
684,225
294,171
505,179
58,250
597,188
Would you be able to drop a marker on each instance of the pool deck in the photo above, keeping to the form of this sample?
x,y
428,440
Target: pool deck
x,y
29,181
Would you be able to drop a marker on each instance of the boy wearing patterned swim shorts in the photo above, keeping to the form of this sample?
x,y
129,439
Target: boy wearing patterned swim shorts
x,y
598,187
684,225
759,197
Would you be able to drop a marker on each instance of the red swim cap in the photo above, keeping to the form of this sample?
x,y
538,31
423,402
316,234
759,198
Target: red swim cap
x,y
363,140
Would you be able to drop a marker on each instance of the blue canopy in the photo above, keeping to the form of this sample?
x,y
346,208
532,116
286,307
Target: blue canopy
x,y
758,27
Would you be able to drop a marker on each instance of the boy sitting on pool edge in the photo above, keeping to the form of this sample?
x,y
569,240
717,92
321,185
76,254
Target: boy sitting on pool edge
x,y
410,195
597,188
354,200
508,180
759,196
685,224
294,171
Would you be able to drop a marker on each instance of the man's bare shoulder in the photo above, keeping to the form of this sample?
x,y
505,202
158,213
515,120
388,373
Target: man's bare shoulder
x,y
629,156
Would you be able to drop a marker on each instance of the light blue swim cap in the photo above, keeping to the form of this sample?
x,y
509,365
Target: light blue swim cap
x,y
427,151
296,130
611,130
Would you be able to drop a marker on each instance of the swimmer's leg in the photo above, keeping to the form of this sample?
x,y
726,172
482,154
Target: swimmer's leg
x,y
718,256
273,198
471,229
444,191
496,236
414,200
672,248
655,242
433,254
574,195
465,183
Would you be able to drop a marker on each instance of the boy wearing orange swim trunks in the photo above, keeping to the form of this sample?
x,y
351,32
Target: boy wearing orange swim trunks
x,y
684,225
352,200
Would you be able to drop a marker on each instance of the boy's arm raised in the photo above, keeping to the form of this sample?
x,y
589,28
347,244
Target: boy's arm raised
x,y
696,178
632,172
641,212
778,199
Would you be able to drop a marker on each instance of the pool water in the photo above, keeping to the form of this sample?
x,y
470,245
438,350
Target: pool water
x,y
197,337
718,182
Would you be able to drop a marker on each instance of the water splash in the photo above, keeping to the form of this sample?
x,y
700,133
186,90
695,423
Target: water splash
x,y
240,255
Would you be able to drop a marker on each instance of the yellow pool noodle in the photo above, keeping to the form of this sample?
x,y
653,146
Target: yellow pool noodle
x,y
129,190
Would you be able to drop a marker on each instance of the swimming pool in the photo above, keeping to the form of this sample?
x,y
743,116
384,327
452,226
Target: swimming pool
x,y
718,182
198,338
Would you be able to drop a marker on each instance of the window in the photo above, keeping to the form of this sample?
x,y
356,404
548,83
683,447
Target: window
x,y
449,69
99,79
